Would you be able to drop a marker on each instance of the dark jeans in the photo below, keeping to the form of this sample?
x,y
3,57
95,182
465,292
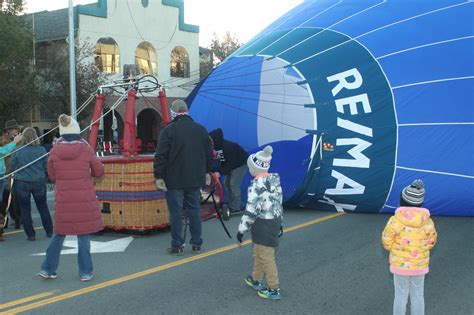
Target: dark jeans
x,y
2,187
23,191
191,200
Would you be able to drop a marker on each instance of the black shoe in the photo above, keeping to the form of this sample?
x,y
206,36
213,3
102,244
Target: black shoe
x,y
17,225
31,238
49,235
196,249
178,251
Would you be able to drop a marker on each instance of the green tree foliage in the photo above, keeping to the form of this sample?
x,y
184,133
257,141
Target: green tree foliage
x,y
16,53
52,78
11,7
225,46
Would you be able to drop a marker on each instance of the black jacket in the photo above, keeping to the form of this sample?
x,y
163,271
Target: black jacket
x,y
230,153
183,155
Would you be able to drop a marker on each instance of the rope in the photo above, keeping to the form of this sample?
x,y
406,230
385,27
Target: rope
x,y
252,113
121,98
81,108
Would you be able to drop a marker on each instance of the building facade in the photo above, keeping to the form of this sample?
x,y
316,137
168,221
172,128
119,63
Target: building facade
x,y
151,34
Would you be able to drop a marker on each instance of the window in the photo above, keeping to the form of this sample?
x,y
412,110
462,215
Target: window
x,y
145,58
107,55
179,66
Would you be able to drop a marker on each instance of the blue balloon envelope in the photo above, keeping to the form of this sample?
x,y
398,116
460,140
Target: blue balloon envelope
x,y
358,99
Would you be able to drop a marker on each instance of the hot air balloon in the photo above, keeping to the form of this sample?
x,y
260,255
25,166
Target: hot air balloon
x,y
358,99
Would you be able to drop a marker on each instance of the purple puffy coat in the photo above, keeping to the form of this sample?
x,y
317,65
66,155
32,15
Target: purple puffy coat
x,y
71,166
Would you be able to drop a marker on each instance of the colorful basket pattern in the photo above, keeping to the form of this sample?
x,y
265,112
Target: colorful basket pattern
x,y
127,194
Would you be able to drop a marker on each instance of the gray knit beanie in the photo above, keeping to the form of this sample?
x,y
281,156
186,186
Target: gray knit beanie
x,y
259,162
415,193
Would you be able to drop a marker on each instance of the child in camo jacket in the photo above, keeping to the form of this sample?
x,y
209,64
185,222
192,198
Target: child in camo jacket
x,y
263,217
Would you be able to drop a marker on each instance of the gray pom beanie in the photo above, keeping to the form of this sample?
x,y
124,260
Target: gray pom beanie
x,y
259,162
415,193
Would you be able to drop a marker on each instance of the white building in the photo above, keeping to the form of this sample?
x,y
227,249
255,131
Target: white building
x,y
149,33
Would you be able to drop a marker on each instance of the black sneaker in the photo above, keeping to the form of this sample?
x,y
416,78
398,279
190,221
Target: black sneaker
x,y
273,294
196,249
31,238
254,284
178,251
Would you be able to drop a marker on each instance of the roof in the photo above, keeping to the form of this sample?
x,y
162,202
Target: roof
x,y
53,25
49,25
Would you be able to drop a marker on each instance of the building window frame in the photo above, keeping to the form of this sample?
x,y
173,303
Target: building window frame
x,y
146,58
107,55
179,63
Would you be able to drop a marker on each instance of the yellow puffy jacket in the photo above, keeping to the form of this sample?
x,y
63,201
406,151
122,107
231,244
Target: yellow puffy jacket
x,y
409,235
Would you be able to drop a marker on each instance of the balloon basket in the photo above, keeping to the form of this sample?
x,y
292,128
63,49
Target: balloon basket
x,y
128,197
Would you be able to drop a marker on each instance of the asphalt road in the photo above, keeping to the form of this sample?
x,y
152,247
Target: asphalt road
x,y
334,266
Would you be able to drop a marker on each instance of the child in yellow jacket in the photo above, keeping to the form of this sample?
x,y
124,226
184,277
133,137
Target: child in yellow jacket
x,y
409,235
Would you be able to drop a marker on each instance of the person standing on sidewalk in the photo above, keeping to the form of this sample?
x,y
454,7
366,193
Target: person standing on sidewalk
x,y
409,236
72,164
31,180
233,165
183,157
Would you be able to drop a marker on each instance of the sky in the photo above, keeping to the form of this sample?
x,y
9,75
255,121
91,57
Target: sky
x,y
244,18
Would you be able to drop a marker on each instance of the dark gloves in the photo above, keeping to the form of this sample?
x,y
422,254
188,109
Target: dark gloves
x,y
239,237
281,231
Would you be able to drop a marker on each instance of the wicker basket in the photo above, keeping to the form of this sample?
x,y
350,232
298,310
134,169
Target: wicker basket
x,y
127,194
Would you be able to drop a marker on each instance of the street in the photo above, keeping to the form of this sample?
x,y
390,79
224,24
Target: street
x,y
328,264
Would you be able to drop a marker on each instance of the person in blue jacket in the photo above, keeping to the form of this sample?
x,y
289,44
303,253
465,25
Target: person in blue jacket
x,y
30,164
5,150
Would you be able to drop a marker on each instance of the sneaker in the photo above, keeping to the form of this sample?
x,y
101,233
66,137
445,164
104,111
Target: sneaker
x,y
87,278
254,284
178,251
196,249
273,294
31,238
45,275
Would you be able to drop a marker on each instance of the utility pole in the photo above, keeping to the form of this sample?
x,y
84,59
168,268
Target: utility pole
x,y
72,61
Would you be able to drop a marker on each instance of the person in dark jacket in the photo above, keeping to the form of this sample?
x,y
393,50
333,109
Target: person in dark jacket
x,y
233,166
263,217
31,180
182,160
72,164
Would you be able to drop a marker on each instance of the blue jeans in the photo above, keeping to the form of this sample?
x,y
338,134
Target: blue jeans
x,y
409,286
23,191
84,259
232,183
191,199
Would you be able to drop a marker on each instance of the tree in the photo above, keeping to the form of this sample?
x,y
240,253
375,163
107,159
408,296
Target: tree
x,y
16,54
11,7
52,77
222,48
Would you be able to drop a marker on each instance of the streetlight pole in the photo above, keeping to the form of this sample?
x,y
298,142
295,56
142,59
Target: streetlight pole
x,y
72,61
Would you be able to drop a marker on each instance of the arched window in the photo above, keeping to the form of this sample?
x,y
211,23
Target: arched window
x,y
145,58
107,55
179,66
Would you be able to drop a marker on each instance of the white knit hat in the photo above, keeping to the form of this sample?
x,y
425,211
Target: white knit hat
x,y
259,162
68,125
